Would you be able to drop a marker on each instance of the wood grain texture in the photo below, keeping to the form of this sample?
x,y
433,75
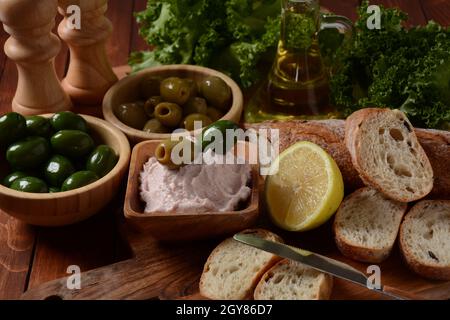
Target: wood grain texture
x,y
90,74
127,89
179,283
437,10
66,208
137,43
173,226
171,266
342,7
412,7
16,249
33,47
51,261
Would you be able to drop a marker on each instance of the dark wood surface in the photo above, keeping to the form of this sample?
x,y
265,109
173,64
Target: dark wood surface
x,y
32,256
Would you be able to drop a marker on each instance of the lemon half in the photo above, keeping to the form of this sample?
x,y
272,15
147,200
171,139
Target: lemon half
x,y
304,188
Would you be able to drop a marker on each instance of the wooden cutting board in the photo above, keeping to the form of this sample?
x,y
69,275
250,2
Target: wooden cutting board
x,y
172,271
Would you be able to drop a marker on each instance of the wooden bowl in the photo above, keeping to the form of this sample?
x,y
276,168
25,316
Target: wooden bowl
x,y
174,226
60,209
126,90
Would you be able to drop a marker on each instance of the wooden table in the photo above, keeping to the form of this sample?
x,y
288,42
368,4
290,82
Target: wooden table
x,y
30,256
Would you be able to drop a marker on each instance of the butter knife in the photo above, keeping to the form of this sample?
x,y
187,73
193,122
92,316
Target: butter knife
x,y
321,263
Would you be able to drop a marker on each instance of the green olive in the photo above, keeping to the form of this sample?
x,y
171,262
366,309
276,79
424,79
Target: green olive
x,y
216,134
190,120
164,150
169,114
163,153
177,90
195,105
30,185
151,104
154,126
67,120
78,180
193,86
13,127
132,114
8,181
216,92
149,86
29,153
54,190
214,114
102,160
39,126
57,170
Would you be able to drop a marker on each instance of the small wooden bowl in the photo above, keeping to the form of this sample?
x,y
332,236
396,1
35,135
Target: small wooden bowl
x,y
174,226
65,208
126,90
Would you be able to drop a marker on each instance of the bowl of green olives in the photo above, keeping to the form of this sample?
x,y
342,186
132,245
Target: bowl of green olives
x,y
156,102
59,169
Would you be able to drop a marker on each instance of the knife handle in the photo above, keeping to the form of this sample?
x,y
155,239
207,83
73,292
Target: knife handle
x,y
403,295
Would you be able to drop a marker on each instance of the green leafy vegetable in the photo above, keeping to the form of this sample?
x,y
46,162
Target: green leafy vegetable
x,y
229,35
396,67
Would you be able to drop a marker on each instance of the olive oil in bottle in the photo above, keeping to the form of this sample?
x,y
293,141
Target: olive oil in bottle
x,y
298,82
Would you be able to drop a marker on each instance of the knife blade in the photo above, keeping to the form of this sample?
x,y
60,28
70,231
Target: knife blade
x,y
318,262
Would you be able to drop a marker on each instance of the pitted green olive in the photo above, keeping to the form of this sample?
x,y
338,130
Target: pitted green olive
x,y
154,126
177,90
216,92
195,105
132,114
150,105
169,114
214,114
190,121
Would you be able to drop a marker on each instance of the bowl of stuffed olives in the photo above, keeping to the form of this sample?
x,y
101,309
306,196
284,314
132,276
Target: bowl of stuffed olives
x,y
59,169
157,102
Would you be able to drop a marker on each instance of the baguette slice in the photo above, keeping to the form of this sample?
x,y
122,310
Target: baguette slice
x,y
233,269
425,239
366,225
289,280
387,154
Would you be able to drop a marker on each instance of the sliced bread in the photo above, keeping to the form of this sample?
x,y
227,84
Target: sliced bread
x,y
290,280
425,239
233,269
386,152
366,225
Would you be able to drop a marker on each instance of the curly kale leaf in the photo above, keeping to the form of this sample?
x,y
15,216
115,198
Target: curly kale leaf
x,y
396,67
232,35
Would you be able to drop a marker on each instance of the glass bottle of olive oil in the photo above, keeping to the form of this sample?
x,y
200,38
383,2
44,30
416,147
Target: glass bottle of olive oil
x,y
298,83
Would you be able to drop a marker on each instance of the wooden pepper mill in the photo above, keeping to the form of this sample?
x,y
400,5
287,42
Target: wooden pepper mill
x,y
90,74
33,47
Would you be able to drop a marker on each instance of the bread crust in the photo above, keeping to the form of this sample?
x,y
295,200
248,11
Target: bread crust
x,y
330,134
353,143
325,288
249,292
425,270
351,251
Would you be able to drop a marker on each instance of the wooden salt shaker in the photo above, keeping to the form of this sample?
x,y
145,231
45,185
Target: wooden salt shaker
x,y
33,47
90,74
